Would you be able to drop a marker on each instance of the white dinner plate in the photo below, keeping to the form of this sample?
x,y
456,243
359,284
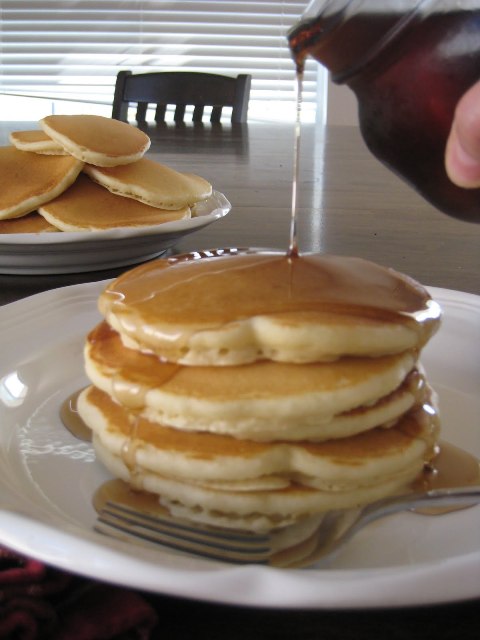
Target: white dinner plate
x,y
81,251
47,479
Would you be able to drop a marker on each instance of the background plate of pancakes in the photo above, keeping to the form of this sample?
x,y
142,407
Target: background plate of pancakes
x,y
78,194
48,477
82,251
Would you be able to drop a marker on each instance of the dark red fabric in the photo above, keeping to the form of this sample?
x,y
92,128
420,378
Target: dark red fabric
x,y
104,612
37,601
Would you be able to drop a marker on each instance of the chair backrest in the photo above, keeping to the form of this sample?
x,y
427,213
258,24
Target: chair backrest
x,y
182,89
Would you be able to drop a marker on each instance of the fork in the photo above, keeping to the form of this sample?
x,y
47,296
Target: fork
x,y
336,528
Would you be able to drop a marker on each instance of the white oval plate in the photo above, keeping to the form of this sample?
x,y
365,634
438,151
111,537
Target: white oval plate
x,y
47,479
81,251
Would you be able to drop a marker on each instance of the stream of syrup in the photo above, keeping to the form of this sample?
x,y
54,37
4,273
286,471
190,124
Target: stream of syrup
x,y
293,244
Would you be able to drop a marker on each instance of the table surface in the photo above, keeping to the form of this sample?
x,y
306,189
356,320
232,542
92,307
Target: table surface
x,y
348,204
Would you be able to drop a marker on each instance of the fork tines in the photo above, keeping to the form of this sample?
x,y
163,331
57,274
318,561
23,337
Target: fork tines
x,y
125,523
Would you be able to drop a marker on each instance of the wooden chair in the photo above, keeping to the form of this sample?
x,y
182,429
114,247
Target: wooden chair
x,y
181,88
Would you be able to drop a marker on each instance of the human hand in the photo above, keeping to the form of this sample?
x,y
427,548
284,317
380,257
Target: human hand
x,y
462,155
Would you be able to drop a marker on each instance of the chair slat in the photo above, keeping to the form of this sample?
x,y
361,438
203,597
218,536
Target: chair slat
x,y
160,112
216,114
142,111
179,115
198,113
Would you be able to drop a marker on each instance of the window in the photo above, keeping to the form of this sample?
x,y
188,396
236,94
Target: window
x,y
66,54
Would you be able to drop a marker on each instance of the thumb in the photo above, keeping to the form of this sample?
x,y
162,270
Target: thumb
x,y
462,154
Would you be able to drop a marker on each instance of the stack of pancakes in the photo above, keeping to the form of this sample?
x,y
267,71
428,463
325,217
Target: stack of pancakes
x,y
88,173
257,391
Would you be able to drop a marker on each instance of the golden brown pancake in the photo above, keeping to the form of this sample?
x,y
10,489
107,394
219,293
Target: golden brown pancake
x,y
152,183
30,223
86,206
38,142
262,400
241,307
333,465
97,140
28,180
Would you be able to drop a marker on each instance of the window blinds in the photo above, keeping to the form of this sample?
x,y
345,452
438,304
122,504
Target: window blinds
x,y
72,50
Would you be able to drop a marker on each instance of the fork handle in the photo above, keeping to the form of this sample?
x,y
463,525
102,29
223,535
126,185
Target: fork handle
x,y
455,497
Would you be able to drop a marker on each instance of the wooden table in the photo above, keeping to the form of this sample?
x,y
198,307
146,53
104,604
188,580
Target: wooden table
x,y
348,204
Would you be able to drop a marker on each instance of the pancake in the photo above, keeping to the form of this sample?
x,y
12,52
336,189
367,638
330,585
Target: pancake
x,y
30,223
266,306
152,183
28,180
97,140
323,476
86,206
263,400
38,142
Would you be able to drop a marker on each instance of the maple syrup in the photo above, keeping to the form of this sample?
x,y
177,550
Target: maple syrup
x,y
247,283
71,419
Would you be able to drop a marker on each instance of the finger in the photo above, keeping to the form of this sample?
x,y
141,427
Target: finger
x,y
462,155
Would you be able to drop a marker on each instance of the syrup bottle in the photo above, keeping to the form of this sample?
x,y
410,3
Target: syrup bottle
x,y
408,63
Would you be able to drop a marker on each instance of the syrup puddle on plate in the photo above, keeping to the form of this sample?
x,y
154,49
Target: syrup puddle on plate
x,y
71,419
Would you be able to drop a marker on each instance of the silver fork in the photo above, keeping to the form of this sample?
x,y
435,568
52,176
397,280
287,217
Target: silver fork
x,y
336,528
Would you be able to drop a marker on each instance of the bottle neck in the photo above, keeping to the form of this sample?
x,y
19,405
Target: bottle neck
x,y
347,36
